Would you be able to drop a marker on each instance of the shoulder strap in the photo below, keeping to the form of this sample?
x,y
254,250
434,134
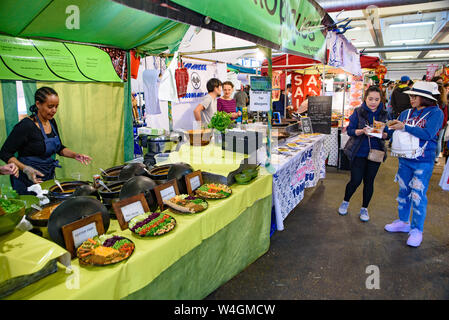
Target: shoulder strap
x,y
422,118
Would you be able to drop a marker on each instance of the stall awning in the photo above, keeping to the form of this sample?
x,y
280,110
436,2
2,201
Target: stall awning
x,y
240,69
292,62
102,22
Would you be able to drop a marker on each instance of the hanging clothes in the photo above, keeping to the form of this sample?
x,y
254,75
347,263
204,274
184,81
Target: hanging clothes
x,y
150,91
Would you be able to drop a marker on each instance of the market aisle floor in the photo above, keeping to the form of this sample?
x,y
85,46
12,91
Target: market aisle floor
x,y
321,255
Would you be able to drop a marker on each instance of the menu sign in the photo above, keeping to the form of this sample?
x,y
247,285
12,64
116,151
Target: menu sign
x,y
43,60
306,125
194,180
320,113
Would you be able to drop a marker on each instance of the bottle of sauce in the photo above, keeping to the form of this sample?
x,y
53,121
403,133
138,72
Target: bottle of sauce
x,y
244,115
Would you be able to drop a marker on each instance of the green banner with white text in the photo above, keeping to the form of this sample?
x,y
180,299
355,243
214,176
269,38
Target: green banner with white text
x,y
296,26
41,60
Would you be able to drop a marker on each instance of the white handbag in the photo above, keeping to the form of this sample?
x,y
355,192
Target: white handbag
x,y
406,145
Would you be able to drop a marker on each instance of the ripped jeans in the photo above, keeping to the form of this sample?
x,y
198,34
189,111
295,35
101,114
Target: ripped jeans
x,y
413,178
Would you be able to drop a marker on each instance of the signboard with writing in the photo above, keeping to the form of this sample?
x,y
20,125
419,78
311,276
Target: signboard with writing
x,y
320,113
294,26
77,232
194,180
42,60
306,125
259,101
166,191
260,83
129,208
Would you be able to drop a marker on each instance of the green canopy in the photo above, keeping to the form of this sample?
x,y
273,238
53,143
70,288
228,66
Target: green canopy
x,y
101,22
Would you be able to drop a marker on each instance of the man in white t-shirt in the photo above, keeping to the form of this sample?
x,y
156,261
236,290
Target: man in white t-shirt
x,y
206,109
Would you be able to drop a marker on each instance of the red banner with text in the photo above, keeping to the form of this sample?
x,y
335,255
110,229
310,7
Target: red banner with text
x,y
304,86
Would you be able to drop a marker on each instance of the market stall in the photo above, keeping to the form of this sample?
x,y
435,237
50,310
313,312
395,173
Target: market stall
x,y
200,250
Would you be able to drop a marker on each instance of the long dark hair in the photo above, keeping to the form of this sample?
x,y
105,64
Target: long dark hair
x,y
374,89
41,95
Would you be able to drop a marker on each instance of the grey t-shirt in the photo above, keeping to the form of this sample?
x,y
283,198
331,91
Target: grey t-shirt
x,y
210,107
240,98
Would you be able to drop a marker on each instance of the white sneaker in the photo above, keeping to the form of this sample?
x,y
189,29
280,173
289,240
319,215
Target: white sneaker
x,y
415,238
343,210
398,226
364,214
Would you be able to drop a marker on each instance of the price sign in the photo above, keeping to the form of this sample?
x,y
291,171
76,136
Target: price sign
x,y
306,125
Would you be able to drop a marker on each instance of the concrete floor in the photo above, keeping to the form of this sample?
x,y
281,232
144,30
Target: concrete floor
x,y
322,255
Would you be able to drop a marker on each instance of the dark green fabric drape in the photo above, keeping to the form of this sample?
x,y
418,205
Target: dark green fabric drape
x,y
129,136
9,95
29,88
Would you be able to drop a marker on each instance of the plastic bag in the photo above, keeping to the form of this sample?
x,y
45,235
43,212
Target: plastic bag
x,y
444,181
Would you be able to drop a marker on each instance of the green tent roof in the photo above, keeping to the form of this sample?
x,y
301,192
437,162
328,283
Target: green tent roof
x,y
102,22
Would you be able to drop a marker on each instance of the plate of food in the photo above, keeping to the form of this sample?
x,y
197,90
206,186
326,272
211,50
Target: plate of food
x,y
283,150
213,191
152,224
293,146
184,204
104,250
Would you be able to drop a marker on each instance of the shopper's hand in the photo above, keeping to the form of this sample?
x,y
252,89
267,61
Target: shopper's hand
x,y
84,159
33,174
397,125
359,132
10,169
366,130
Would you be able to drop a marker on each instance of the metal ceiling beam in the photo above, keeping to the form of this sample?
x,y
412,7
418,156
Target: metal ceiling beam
x,y
338,5
373,23
444,31
405,48
416,60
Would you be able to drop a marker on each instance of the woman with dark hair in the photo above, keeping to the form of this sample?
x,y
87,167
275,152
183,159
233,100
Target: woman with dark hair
x,y
422,123
358,148
36,140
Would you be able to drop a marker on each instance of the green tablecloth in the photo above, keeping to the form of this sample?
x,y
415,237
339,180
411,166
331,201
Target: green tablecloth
x,y
230,234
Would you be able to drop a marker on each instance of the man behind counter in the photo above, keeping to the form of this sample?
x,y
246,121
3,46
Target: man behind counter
x,y
205,110
36,140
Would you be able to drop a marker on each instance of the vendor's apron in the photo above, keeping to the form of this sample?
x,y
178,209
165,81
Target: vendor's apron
x,y
45,164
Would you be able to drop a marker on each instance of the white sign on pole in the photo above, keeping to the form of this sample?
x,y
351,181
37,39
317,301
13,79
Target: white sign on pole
x,y
259,101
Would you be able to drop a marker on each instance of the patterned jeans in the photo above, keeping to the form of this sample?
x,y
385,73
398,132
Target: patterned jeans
x,y
413,178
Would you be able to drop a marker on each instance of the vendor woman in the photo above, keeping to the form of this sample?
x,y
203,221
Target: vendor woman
x,y
36,140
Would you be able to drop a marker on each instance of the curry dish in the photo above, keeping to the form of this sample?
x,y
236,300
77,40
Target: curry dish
x,y
45,213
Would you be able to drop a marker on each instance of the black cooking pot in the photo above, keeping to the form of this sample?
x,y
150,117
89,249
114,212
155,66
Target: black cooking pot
x,y
137,185
112,174
56,194
108,197
178,171
30,212
132,170
86,190
159,174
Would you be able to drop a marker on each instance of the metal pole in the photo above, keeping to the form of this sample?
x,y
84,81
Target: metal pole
x,y
270,113
285,95
324,80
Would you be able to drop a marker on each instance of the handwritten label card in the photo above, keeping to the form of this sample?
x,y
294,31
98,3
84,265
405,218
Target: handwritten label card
x,y
194,180
166,191
82,234
77,232
129,208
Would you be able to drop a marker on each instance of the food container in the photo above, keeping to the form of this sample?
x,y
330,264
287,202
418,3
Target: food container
x,y
137,185
242,178
251,172
108,197
200,137
40,224
10,220
56,194
160,144
112,174
159,174
178,171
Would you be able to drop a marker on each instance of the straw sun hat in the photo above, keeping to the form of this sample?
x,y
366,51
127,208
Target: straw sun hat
x,y
424,89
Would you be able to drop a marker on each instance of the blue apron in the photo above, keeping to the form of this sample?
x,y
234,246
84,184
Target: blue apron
x,y
46,164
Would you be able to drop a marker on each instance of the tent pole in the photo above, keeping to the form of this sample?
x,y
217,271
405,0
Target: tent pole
x,y
324,79
268,165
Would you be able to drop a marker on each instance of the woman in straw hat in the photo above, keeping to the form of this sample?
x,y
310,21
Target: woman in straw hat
x,y
423,121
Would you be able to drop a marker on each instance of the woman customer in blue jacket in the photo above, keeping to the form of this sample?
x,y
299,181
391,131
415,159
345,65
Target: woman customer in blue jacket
x,y
358,147
423,121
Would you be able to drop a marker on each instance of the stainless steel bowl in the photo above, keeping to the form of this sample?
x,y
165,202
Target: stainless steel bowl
x,y
161,144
